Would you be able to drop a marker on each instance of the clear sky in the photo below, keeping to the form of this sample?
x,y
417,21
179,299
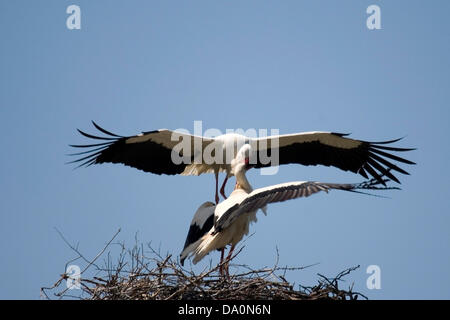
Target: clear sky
x,y
288,65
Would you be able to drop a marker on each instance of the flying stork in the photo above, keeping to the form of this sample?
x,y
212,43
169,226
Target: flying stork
x,y
213,227
152,151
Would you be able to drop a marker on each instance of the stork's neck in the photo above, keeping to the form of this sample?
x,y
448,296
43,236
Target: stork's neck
x,y
241,181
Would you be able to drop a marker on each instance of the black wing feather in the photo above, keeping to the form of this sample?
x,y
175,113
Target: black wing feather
x,y
105,131
148,156
363,159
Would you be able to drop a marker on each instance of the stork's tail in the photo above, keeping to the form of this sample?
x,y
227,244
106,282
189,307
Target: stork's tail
x,y
206,245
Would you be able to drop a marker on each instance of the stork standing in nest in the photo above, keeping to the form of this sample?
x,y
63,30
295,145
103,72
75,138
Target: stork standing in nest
x,y
213,227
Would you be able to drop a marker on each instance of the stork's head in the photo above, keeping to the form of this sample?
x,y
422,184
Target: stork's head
x,y
242,160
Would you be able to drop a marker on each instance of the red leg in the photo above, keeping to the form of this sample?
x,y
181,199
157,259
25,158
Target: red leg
x,y
230,253
217,187
222,189
222,253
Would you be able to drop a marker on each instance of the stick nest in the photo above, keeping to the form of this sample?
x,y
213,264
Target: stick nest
x,y
136,276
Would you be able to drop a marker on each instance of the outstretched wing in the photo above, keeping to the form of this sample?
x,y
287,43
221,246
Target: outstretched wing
x,y
259,198
151,151
333,149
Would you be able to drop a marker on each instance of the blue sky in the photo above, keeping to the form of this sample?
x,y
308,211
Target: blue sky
x,y
290,65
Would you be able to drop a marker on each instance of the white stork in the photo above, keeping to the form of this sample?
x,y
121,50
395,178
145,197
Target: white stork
x,y
152,152
213,227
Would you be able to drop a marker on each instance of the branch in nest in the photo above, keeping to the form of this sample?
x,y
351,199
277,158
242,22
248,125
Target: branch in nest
x,y
157,277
